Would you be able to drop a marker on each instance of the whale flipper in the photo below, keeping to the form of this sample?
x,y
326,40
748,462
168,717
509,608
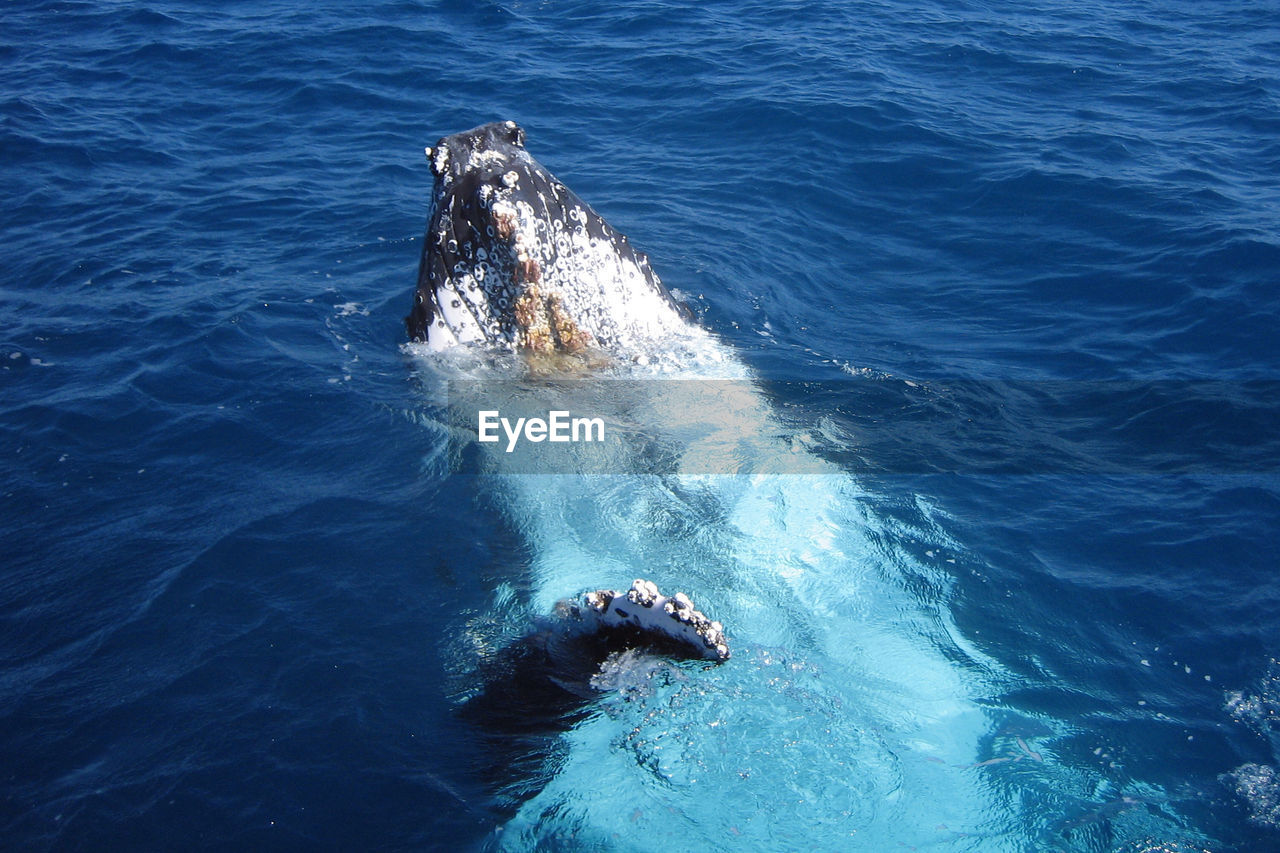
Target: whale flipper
x,y
646,613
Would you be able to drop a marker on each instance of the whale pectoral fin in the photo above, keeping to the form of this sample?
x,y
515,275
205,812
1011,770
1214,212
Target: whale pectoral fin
x,y
650,616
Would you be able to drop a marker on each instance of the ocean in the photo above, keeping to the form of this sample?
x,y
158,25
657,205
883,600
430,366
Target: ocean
x,y
1008,272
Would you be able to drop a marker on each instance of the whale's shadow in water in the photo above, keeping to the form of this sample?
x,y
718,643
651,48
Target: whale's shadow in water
x,y
550,679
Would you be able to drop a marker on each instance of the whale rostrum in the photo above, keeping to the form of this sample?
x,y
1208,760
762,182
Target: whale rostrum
x,y
513,259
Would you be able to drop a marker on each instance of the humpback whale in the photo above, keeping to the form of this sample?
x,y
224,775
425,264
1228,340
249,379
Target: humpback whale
x,y
848,716
513,257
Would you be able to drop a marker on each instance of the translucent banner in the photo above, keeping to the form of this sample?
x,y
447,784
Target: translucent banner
x,y
872,426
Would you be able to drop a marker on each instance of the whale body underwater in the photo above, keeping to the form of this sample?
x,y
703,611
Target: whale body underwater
x,y
849,715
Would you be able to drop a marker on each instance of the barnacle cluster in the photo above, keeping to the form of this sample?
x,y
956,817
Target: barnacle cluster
x,y
544,326
646,609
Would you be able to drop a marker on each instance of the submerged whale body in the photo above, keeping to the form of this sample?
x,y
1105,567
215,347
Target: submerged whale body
x,y
513,258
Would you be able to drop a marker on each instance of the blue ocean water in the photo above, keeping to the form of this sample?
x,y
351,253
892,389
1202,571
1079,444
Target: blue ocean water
x,y
242,601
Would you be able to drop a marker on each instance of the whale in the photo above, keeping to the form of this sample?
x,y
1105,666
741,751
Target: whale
x,y
850,713
513,257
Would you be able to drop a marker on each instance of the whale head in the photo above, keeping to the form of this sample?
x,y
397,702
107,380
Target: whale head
x,y
513,258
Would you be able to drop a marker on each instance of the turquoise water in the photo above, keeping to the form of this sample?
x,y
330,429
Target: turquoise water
x,y
245,605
